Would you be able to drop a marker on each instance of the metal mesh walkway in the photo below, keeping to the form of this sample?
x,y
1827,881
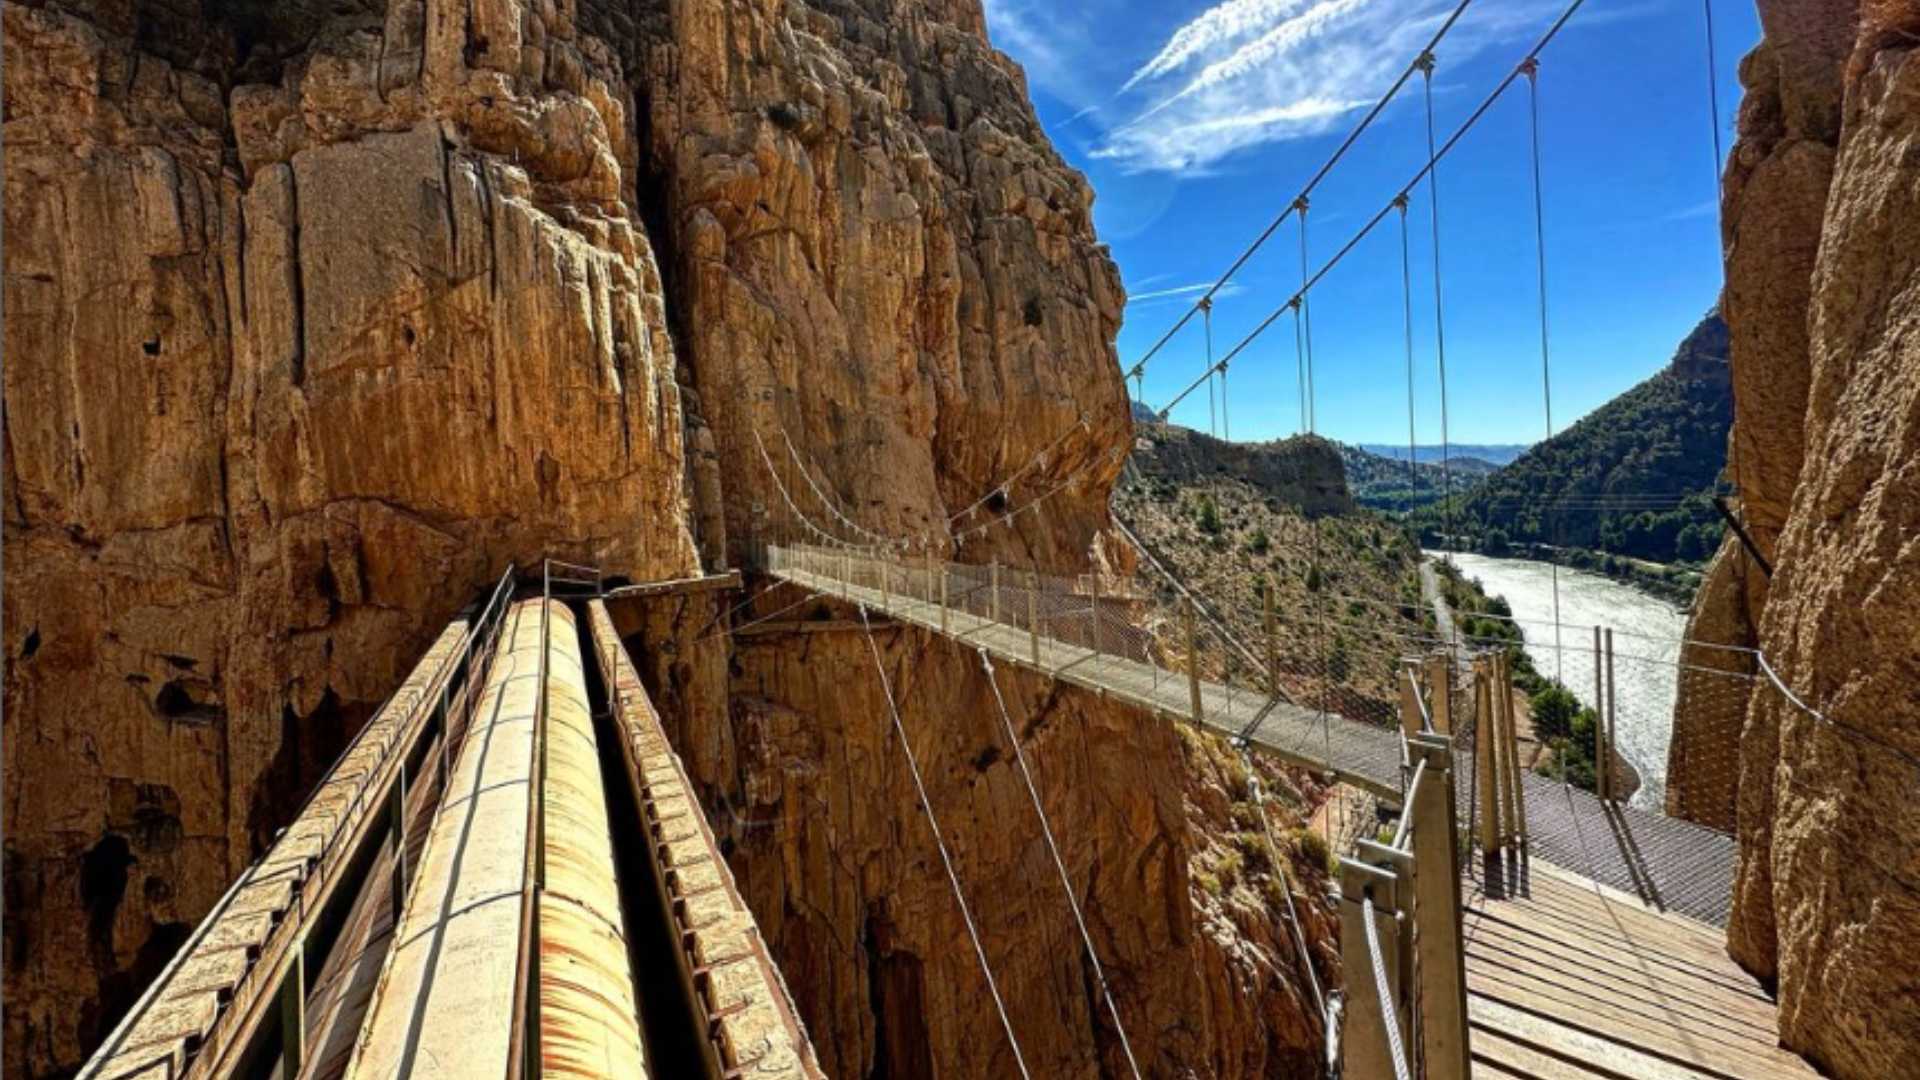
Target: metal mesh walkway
x,y
1362,755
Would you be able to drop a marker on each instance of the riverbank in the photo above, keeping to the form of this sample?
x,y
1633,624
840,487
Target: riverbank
x,y
1675,583
1646,648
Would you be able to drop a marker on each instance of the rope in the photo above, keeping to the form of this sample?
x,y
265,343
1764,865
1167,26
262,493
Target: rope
x,y
807,475
1387,1015
1066,883
953,878
1532,68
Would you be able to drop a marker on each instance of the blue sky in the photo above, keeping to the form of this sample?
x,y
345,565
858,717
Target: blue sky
x,y
1198,120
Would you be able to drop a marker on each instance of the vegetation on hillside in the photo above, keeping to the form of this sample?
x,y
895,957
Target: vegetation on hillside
x,y
1382,483
1635,478
1345,586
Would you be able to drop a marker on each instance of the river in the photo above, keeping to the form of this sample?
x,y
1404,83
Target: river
x,y
1646,645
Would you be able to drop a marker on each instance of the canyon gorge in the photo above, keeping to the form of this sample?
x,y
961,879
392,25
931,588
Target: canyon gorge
x,y
318,315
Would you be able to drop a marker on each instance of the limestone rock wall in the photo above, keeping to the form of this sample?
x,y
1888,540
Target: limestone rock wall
x,y
318,314
313,326
1823,299
879,257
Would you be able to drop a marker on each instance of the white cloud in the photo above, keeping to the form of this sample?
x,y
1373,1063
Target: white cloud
x,y
1231,288
1248,72
1219,25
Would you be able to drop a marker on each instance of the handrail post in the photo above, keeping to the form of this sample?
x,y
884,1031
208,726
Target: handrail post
x,y
1033,612
1193,656
1441,966
1599,713
1603,728
1409,699
993,606
1363,1038
1094,579
1440,692
945,626
1505,748
1516,772
1273,637
1483,752
293,1008
881,564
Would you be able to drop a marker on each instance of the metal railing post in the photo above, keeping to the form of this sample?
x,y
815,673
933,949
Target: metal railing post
x,y
1094,588
945,626
1193,656
993,606
1033,612
1441,966
1273,637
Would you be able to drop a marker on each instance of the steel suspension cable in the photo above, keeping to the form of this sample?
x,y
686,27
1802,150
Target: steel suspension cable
x,y
1206,319
1286,887
946,859
1439,306
1406,298
1388,1017
1306,315
1066,882
1531,66
1433,160
1319,175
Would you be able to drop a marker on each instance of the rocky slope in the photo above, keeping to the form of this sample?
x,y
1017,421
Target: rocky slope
x,y
321,314
1304,471
1821,207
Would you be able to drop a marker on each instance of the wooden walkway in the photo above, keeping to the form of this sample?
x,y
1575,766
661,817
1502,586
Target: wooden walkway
x,y
1362,755
1570,980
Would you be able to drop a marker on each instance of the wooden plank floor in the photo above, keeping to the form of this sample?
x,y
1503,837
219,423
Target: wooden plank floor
x,y
1571,980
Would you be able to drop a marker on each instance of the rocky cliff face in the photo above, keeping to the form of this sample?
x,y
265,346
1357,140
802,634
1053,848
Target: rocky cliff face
x,y
1304,472
320,314
1823,293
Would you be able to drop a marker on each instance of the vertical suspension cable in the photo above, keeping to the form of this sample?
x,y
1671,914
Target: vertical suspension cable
x,y
1066,883
1206,319
1406,297
1425,64
953,878
1306,313
1532,69
1299,364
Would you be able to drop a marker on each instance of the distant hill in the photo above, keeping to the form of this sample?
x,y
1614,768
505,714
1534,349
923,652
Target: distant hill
x,y
1496,453
1303,472
1634,478
1385,484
